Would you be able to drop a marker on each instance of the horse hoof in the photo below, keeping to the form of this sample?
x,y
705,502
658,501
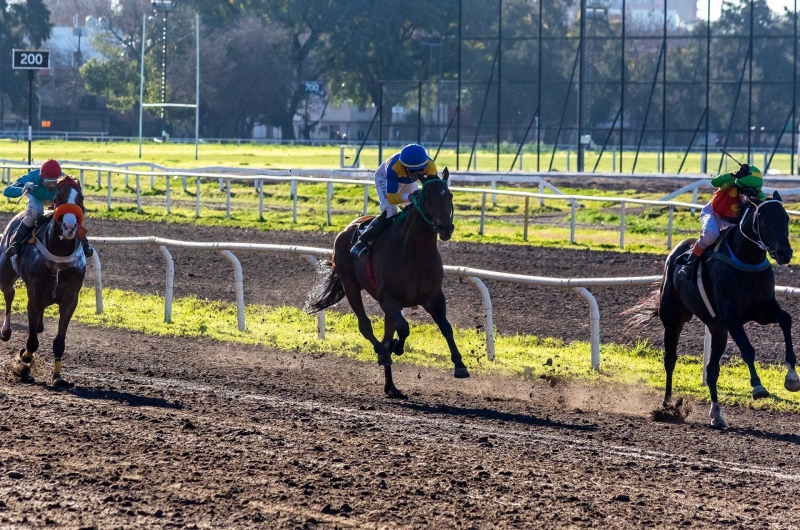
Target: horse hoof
x,y
461,372
718,423
393,393
759,392
5,335
792,385
25,356
58,382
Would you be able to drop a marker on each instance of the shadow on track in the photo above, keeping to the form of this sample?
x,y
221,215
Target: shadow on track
x,y
132,400
487,414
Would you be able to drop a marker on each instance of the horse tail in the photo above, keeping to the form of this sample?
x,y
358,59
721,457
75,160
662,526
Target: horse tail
x,y
645,310
331,292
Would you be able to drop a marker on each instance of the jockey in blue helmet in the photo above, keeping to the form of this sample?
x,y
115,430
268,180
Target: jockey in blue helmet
x,y
396,183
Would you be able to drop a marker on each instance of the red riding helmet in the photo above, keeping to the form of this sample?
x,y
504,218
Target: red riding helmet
x,y
50,169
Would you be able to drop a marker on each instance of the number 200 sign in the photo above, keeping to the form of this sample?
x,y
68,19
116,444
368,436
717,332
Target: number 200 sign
x,y
31,60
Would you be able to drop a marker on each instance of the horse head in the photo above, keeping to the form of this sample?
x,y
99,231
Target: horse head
x,y
770,225
68,215
435,203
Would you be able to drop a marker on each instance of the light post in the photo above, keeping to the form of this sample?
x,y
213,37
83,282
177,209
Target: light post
x,y
163,6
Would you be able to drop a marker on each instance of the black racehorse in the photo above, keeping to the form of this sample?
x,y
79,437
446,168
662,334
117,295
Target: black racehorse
x,y
740,288
406,271
52,268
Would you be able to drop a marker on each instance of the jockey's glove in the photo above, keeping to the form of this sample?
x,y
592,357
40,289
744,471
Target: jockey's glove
x,y
742,172
29,186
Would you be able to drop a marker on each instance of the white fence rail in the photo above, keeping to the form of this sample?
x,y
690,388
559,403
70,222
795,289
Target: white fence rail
x,y
293,179
475,276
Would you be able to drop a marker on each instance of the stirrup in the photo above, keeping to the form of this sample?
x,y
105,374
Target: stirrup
x,y
361,251
12,251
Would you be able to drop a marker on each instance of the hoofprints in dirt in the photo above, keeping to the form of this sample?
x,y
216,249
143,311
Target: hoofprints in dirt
x,y
277,280
181,432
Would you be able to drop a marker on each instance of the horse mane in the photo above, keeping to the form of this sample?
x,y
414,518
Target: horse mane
x,y
68,180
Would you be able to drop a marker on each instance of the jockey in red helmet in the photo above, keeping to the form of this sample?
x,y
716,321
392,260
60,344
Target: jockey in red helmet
x,y
396,183
39,187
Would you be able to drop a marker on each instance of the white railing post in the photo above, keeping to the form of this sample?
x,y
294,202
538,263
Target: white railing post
x,y
694,200
569,152
494,195
669,227
169,195
98,283
260,200
183,182
152,177
706,353
622,225
99,179
227,198
170,266
293,188
197,198
127,180
138,195
239,285
221,184
541,192
525,225
488,320
80,178
594,324
366,199
320,287
572,222
483,213
329,195
614,160
108,191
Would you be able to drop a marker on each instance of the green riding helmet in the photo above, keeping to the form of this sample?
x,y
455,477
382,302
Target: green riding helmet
x,y
754,180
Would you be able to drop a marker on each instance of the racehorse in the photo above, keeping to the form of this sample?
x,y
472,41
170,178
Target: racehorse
x,y
405,270
52,268
739,286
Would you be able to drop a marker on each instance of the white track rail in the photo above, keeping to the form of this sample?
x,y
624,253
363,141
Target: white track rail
x,y
329,178
579,286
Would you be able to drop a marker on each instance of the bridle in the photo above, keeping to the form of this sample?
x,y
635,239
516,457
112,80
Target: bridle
x,y
756,226
419,202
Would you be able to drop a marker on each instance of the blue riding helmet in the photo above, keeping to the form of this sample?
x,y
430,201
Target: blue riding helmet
x,y
414,157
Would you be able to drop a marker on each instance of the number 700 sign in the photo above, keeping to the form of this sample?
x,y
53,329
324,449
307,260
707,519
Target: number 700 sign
x,y
31,60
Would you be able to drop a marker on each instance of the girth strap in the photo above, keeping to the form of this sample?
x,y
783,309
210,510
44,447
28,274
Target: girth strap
x,y
702,290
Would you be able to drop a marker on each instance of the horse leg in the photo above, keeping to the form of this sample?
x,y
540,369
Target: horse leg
x,y
35,312
437,308
749,357
40,326
65,311
672,334
353,293
719,339
394,313
774,313
389,342
5,331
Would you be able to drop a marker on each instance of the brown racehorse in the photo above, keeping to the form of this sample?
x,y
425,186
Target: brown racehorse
x,y
407,271
53,270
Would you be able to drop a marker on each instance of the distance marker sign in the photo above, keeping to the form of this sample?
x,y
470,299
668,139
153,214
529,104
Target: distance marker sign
x,y
31,60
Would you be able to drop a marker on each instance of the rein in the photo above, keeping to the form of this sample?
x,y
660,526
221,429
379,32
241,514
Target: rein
x,y
419,203
756,226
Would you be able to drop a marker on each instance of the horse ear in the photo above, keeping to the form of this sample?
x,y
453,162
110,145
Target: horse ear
x,y
776,196
445,174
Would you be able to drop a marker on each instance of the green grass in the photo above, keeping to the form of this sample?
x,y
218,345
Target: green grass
x,y
522,356
254,156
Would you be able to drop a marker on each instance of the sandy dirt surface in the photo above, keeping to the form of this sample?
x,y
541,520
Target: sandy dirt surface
x,y
169,433
546,312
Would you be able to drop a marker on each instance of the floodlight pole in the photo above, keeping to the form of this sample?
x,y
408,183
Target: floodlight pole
x,y
141,86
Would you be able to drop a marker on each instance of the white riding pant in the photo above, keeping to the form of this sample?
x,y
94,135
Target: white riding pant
x,y
380,186
712,225
35,211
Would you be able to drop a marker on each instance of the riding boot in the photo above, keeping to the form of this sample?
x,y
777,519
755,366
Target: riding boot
x,y
88,251
690,263
20,237
370,235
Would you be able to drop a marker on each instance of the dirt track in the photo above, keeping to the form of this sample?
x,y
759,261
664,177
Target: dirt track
x,y
192,433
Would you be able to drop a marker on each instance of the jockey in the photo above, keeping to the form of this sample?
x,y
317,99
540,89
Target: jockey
x,y
723,210
396,183
40,185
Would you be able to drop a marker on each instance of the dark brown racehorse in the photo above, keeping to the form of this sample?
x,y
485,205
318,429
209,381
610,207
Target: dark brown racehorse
x,y
52,269
407,272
